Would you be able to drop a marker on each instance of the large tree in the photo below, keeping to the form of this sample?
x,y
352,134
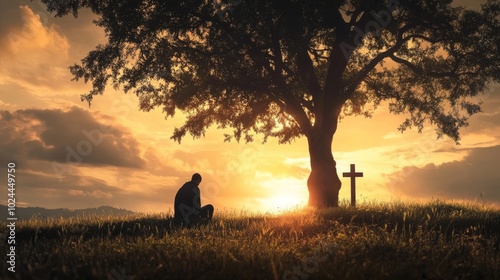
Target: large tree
x,y
291,68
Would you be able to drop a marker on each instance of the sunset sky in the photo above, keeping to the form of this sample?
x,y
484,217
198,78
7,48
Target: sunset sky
x,y
71,156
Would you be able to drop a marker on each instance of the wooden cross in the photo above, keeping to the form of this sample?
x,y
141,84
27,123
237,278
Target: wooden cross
x,y
353,174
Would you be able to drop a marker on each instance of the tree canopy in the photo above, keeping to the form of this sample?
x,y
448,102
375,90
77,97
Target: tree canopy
x,y
270,66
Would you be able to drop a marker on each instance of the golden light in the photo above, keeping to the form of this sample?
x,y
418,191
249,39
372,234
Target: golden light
x,y
284,194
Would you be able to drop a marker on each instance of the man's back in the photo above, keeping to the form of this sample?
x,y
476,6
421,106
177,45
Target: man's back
x,y
188,197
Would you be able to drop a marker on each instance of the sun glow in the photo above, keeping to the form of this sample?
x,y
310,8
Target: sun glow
x,y
284,194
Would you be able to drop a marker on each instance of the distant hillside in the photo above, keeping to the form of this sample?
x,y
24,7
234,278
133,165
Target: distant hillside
x,y
40,212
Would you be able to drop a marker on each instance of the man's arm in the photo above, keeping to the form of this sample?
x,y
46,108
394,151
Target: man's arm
x,y
196,198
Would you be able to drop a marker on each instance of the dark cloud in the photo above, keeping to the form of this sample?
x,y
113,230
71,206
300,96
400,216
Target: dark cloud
x,y
476,176
74,136
36,140
9,16
78,190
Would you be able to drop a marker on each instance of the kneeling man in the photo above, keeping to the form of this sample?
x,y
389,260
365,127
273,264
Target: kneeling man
x,y
187,204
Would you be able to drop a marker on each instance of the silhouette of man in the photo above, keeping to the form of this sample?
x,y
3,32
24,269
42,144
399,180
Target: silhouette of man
x,y
187,204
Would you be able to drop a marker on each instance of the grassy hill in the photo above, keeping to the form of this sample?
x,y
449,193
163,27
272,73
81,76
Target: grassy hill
x,y
437,240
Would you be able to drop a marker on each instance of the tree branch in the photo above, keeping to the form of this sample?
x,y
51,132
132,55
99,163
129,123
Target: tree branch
x,y
306,71
291,105
354,16
336,67
370,66
421,71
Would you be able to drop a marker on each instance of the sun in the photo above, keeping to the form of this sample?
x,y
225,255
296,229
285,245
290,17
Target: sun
x,y
283,194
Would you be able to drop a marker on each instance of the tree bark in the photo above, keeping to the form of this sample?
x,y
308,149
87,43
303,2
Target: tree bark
x,y
323,183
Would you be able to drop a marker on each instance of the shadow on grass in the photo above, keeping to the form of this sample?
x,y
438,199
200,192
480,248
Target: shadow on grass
x,y
134,228
142,227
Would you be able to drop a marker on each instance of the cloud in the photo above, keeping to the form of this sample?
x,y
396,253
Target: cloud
x,y
74,136
75,158
476,176
78,190
102,164
33,35
33,52
37,186
487,123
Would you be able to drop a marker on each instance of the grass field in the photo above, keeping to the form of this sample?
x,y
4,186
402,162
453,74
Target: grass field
x,y
437,240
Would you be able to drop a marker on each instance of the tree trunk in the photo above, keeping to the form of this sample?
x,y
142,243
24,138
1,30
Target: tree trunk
x,y
323,183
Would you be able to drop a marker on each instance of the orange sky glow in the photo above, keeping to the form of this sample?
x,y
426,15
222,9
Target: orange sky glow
x,y
71,156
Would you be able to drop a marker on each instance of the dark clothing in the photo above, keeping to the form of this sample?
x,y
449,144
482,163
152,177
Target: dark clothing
x,y
188,194
206,212
187,204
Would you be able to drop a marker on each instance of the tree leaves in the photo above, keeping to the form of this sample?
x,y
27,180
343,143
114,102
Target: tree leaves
x,y
278,67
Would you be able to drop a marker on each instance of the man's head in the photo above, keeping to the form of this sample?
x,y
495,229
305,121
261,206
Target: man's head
x,y
196,178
